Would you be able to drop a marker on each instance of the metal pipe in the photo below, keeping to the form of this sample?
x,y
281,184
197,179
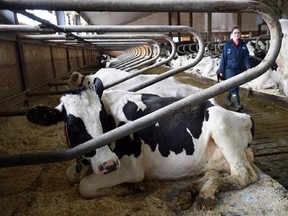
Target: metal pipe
x,y
143,57
134,5
148,58
190,63
131,75
229,6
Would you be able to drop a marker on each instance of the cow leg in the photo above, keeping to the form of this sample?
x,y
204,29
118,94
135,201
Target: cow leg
x,y
206,187
94,185
213,183
231,136
78,171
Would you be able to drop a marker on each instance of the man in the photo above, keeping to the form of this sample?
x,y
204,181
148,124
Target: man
x,y
234,60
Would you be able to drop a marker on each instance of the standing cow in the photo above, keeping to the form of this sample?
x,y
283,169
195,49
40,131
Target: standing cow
x,y
203,139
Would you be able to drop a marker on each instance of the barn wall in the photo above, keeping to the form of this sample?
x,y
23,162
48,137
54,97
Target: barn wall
x,y
9,70
60,61
221,22
38,64
25,66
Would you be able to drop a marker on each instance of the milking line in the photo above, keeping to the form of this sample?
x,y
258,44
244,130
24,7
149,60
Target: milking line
x,y
152,5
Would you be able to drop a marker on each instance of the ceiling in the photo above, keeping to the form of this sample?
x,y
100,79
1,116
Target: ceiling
x,y
112,18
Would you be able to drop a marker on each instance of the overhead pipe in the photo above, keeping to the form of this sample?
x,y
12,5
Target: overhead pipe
x,y
148,57
134,57
129,57
155,52
145,53
228,6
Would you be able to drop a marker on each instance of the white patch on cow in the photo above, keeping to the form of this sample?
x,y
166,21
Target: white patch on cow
x,y
115,100
268,80
282,59
207,67
250,48
87,107
101,155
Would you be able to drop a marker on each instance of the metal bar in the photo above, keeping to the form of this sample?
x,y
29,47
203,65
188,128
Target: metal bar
x,y
147,59
251,6
140,57
133,5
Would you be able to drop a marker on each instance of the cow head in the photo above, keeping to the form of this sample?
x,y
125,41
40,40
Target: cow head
x,y
85,118
77,80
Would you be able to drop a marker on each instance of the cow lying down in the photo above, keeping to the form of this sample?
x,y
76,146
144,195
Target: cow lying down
x,y
203,139
167,87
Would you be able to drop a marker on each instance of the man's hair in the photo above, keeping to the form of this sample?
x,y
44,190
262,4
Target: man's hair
x,y
235,27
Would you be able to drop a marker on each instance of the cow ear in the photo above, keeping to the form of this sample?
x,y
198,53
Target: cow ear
x,y
98,85
73,80
43,115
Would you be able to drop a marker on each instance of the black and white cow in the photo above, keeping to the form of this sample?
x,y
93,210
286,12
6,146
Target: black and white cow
x,y
201,139
168,87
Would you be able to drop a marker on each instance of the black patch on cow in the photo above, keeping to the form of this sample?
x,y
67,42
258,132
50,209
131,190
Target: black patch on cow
x,y
76,91
77,132
99,87
170,133
107,121
45,116
129,145
253,127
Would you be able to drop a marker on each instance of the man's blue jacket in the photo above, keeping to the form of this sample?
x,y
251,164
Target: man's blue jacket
x,y
234,58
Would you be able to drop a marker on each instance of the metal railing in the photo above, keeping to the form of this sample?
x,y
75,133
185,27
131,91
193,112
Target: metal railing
x,y
151,5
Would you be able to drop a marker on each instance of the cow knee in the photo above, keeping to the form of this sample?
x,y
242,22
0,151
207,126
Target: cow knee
x,y
88,187
71,175
75,177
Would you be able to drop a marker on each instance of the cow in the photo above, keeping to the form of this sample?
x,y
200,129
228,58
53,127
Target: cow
x,y
169,87
105,60
201,139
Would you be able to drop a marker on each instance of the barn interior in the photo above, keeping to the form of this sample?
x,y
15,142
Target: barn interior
x,y
43,42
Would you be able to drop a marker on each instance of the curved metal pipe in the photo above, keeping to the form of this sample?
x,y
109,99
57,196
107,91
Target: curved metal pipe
x,y
134,57
229,6
150,60
190,63
131,75
147,53
140,57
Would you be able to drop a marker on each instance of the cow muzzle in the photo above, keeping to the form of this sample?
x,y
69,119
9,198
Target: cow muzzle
x,y
108,166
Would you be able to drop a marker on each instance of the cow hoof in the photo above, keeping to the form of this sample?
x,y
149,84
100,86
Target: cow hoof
x,y
204,204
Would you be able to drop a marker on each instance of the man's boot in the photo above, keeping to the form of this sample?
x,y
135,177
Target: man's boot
x,y
237,104
228,101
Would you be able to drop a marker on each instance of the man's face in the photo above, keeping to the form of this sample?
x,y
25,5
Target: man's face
x,y
236,34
